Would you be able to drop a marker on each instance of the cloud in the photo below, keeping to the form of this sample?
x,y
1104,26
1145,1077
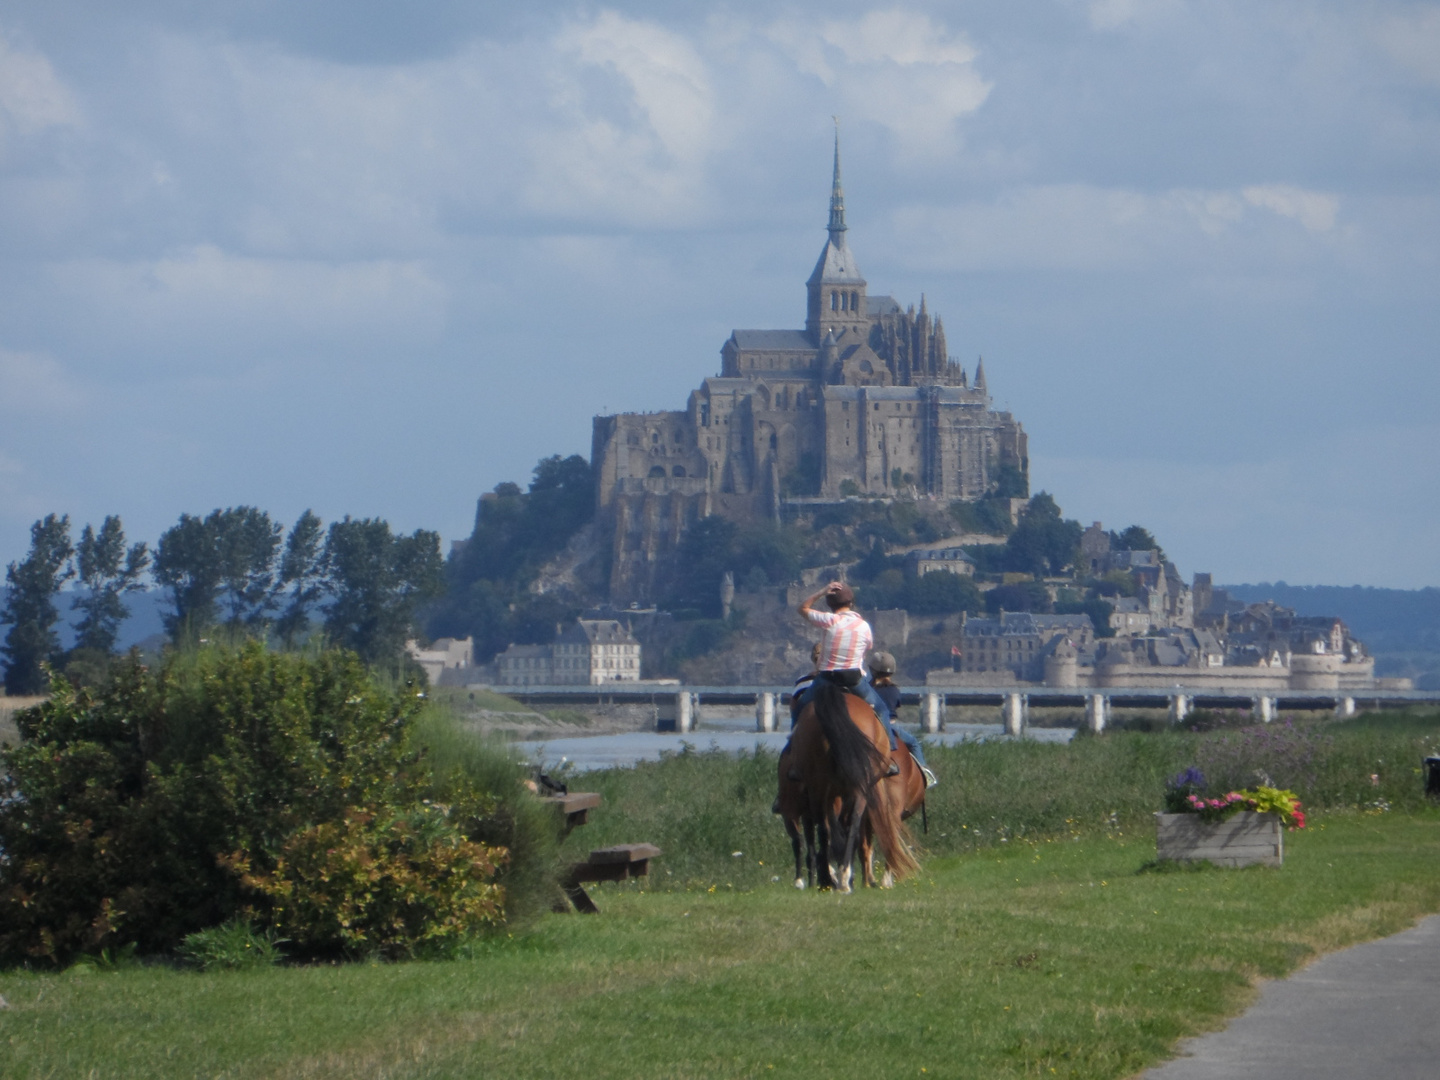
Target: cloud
x,y
1113,14
32,98
1313,209
1413,40
31,383
1078,226
899,69
216,300
635,108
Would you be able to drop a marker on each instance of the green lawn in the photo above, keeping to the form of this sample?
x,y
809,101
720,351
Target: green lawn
x,y
1056,957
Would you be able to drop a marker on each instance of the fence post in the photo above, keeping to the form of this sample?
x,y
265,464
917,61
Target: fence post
x,y
933,722
764,711
1263,709
1179,708
1345,706
1097,712
1013,713
684,711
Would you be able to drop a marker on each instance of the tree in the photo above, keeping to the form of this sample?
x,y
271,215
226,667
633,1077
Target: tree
x,y
1136,538
301,577
247,542
228,555
1019,596
376,581
107,570
1043,542
940,592
30,607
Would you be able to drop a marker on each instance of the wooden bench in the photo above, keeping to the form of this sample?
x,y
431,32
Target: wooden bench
x,y
574,807
619,863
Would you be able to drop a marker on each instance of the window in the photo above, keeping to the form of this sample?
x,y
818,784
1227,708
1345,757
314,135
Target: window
x,y
679,470
834,301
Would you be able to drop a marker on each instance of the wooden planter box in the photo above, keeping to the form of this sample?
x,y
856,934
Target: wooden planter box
x,y
1245,839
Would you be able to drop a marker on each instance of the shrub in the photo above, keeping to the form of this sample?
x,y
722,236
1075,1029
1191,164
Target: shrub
x,y
388,885
232,945
129,814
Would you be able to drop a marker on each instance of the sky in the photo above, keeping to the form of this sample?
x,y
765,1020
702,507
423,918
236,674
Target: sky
x,y
373,258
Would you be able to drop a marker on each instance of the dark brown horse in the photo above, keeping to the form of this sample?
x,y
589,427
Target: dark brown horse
x,y
831,784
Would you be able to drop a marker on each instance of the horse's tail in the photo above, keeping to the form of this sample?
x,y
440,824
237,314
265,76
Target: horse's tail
x,y
858,763
892,836
856,760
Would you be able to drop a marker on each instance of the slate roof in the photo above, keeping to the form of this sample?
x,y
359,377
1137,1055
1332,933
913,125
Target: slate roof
x,y
837,265
773,340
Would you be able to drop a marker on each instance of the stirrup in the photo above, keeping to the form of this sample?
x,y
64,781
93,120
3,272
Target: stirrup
x,y
930,780
894,768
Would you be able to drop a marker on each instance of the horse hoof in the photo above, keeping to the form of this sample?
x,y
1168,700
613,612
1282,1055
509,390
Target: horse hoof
x,y
800,883
888,881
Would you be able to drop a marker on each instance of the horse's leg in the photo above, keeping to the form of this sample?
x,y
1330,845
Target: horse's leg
x,y
820,854
793,829
852,839
867,855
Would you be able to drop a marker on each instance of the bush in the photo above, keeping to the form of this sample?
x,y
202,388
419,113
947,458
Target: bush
x,y
172,800
231,946
392,885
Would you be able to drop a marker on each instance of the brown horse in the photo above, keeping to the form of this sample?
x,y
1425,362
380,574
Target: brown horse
x,y
906,792
839,756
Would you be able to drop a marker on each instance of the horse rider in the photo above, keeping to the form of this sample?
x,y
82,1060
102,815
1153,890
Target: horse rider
x,y
848,639
803,683
882,675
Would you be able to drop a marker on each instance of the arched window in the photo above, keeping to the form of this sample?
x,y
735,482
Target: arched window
x,y
657,471
654,437
678,470
854,301
834,301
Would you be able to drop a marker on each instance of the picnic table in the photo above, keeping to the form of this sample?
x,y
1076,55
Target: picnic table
x,y
619,863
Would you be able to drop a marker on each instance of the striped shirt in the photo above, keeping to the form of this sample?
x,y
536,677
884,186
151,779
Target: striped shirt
x,y
847,639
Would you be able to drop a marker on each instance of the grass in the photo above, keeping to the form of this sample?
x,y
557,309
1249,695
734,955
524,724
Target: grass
x,y
1039,940
1055,957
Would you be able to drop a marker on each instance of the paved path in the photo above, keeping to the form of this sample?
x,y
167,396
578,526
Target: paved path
x,y
1369,1011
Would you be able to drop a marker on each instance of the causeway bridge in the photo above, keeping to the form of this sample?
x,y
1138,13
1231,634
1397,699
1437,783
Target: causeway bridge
x,y
677,707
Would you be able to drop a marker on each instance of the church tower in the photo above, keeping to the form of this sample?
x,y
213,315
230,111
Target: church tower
x,y
836,290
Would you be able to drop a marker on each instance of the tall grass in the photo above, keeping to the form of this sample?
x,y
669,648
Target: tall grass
x,y
702,807
525,827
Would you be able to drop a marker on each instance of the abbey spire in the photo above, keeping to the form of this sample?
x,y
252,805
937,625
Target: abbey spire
x,y
836,290
837,199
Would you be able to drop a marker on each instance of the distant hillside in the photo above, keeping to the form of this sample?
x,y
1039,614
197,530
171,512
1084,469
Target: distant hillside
x,y
1387,620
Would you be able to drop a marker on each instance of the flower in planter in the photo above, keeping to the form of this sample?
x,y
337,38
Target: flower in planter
x,y
1185,794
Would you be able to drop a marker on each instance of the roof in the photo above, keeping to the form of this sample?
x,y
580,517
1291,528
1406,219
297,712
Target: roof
x,y
773,340
597,632
1023,623
525,652
955,553
837,265
881,305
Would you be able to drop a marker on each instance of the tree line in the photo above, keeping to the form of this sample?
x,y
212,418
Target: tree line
x,y
234,570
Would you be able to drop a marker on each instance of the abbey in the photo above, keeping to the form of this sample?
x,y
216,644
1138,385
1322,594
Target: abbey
x,y
865,401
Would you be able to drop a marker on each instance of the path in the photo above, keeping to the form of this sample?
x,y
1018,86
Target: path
x,y
1369,1011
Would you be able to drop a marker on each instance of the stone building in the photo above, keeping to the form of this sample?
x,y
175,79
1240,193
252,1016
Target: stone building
x,y
589,653
452,655
1016,643
948,560
865,400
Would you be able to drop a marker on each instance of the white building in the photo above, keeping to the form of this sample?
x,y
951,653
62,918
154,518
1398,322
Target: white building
x,y
589,653
445,654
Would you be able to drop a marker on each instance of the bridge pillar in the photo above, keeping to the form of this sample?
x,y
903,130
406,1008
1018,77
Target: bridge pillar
x,y
1264,708
1014,711
1345,706
1097,712
1180,706
685,711
765,711
933,713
